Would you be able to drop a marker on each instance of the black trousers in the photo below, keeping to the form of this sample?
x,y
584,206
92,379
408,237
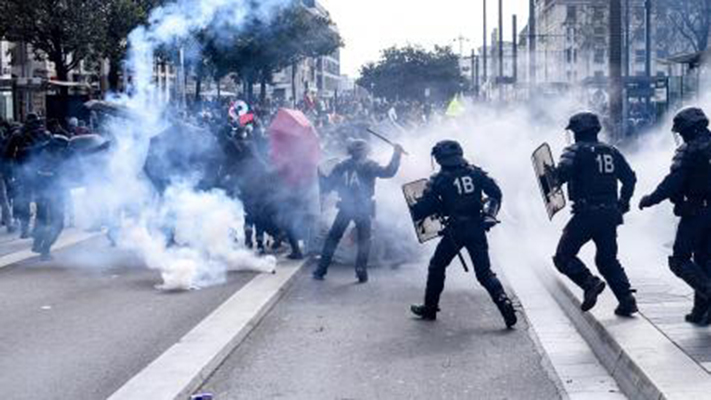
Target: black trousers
x,y
456,238
363,223
600,227
23,193
691,255
251,224
50,219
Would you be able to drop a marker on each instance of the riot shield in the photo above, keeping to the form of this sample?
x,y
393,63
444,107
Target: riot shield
x,y
430,227
544,165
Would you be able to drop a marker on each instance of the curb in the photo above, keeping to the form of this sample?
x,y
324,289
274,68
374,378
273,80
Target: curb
x,y
184,367
644,362
68,239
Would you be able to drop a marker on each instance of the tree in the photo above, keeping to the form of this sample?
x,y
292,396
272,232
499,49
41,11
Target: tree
x,y
299,34
263,46
121,18
689,21
62,31
409,72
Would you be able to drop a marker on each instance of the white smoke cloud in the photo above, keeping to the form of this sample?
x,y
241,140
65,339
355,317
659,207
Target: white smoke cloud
x,y
189,236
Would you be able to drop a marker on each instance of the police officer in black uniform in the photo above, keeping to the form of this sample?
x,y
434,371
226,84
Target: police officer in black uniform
x,y
354,179
456,193
20,150
51,193
592,170
688,187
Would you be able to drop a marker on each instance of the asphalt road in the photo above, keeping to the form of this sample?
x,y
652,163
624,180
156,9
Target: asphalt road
x,y
339,340
79,328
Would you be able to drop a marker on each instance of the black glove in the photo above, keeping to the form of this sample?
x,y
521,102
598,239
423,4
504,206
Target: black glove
x,y
646,202
623,206
489,222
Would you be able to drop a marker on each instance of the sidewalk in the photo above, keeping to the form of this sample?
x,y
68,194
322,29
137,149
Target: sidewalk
x,y
656,355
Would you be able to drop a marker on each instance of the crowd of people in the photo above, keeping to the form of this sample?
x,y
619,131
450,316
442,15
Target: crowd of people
x,y
34,187
34,174
37,156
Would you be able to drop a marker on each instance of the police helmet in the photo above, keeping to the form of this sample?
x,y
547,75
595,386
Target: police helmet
x,y
32,118
448,153
690,120
358,148
584,122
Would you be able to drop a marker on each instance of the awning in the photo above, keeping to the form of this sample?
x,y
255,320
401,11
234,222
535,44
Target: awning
x,y
80,85
693,60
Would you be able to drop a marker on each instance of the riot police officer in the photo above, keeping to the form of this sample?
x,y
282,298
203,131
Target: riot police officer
x,y
592,170
20,150
51,193
456,193
354,179
688,187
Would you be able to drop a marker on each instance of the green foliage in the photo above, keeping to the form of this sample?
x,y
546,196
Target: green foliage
x,y
406,73
61,30
264,46
70,31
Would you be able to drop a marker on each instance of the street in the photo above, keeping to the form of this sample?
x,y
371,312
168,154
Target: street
x,y
240,199
73,331
340,340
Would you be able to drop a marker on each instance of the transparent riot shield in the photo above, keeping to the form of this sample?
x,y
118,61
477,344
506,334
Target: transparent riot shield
x,y
544,167
429,228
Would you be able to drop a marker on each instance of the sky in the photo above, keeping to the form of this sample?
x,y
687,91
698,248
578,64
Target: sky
x,y
369,26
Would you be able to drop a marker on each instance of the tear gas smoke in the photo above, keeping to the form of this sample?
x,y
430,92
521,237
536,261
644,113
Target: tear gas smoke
x,y
187,235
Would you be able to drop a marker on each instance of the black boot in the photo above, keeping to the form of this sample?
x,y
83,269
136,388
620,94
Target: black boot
x,y
627,306
296,255
320,273
699,315
362,275
507,310
424,312
593,289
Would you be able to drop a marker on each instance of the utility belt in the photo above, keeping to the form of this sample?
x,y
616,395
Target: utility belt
x,y
461,220
691,207
594,205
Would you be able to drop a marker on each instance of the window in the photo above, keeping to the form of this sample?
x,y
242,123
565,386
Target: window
x,y
572,14
599,74
599,56
640,56
598,13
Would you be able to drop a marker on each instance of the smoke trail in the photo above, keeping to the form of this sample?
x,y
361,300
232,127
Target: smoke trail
x,y
187,235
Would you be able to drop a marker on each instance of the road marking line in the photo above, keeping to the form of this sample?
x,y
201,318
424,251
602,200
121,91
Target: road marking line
x,y
184,367
67,240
